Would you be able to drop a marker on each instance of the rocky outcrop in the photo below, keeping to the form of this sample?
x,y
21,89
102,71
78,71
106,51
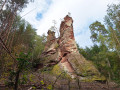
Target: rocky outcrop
x,y
64,50
67,45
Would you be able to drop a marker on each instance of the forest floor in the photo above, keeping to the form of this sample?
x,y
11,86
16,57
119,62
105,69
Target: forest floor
x,y
72,86
61,83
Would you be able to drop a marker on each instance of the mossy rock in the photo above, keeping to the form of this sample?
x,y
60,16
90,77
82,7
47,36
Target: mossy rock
x,y
58,71
93,78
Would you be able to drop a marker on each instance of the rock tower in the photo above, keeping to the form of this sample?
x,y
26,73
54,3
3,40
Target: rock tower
x,y
64,50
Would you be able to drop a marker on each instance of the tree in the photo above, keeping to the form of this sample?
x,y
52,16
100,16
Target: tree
x,y
107,39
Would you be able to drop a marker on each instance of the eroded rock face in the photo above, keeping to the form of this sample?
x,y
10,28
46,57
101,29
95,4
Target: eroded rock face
x,y
51,44
65,50
50,39
67,44
67,41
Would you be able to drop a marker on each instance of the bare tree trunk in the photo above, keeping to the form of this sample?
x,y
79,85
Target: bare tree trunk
x,y
108,62
78,82
10,45
9,28
107,84
16,80
6,49
68,84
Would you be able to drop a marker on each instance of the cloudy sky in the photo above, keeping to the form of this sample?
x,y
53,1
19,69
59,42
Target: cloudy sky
x,y
41,14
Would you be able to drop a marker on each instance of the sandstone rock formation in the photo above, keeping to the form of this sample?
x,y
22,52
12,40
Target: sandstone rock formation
x,y
64,50
51,40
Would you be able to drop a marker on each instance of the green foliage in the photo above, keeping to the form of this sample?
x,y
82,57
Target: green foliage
x,y
108,36
23,60
42,82
24,79
22,38
22,66
25,40
31,77
106,61
33,87
106,54
49,87
97,31
39,45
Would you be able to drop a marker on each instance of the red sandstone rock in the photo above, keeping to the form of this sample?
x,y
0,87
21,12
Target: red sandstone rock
x,y
66,51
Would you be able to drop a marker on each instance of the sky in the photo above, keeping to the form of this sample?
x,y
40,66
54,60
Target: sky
x,y
41,13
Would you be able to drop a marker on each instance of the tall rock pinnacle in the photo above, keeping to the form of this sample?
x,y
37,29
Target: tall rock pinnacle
x,y
64,50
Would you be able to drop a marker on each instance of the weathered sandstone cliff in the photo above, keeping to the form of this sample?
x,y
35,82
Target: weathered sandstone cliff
x,y
64,50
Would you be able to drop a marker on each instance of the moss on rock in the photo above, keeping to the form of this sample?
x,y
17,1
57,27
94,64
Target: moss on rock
x,y
57,70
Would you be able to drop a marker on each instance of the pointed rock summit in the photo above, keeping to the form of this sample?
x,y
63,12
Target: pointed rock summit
x,y
64,50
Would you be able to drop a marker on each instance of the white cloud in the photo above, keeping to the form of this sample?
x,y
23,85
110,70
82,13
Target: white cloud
x,y
83,12
31,11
